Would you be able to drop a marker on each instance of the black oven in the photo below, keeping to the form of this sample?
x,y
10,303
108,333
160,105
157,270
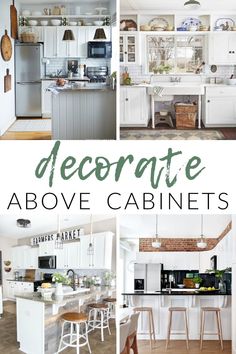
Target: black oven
x,y
99,49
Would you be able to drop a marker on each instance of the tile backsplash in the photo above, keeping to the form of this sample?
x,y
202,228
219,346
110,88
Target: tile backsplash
x,y
137,73
61,64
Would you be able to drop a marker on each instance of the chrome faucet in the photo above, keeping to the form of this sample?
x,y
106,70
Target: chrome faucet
x,y
175,79
73,278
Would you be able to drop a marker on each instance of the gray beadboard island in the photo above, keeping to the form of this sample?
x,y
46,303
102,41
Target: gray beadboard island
x,y
38,320
83,111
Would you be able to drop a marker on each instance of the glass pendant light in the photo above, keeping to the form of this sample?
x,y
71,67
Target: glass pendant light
x,y
202,243
58,241
192,4
157,242
90,250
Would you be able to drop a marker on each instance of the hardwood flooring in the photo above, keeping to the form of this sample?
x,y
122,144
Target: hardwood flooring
x,y
26,136
179,347
9,345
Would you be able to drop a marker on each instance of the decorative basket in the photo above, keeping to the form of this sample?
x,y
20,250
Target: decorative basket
x,y
186,115
29,37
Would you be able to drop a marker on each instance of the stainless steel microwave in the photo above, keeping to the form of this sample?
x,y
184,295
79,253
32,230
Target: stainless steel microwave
x,y
47,262
99,49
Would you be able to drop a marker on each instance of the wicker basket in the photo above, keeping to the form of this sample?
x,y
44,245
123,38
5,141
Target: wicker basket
x,y
29,37
186,115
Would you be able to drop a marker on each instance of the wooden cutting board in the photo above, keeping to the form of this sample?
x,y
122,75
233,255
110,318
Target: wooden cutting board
x,y
14,27
7,81
6,47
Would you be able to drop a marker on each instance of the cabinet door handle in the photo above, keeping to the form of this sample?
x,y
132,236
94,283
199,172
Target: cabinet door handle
x,y
127,99
208,101
233,52
125,52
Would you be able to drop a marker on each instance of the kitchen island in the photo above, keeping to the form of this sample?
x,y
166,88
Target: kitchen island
x,y
193,301
83,111
38,320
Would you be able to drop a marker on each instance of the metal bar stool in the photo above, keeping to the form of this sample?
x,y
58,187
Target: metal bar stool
x,y
150,322
111,302
184,311
75,320
99,318
218,322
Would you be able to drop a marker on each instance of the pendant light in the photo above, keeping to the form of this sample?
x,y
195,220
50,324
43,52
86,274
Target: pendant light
x,y
202,243
192,4
68,35
23,223
58,241
90,250
99,34
157,242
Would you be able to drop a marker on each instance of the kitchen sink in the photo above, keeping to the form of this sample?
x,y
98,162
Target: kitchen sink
x,y
67,290
176,88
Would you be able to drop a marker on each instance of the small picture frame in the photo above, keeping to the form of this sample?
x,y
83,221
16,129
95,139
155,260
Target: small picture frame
x,y
214,262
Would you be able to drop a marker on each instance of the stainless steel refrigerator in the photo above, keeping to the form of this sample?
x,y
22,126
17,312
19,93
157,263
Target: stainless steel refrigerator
x,y
147,277
28,74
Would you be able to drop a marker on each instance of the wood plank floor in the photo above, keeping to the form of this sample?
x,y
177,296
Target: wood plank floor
x,y
9,345
26,136
179,347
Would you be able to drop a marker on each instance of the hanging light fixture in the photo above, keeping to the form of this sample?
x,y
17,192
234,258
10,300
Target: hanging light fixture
x,y
202,243
68,35
58,241
157,242
90,250
192,4
23,223
99,34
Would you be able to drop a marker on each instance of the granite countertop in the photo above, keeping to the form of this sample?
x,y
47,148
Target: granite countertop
x,y
84,87
62,300
74,78
176,293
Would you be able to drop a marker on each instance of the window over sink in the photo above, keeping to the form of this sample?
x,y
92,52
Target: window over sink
x,y
174,54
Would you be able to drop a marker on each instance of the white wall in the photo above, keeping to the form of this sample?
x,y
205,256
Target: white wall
x,y
5,247
7,100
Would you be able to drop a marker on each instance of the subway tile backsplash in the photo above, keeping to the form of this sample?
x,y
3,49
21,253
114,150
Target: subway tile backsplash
x,y
137,73
61,64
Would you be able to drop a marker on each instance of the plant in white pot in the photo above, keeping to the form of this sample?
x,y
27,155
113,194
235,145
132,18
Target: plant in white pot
x,y
109,279
197,281
60,279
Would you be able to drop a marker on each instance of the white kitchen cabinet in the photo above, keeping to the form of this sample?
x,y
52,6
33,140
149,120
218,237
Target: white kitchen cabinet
x,y
31,258
47,249
134,106
102,257
69,256
129,49
46,99
18,287
62,46
19,256
50,42
222,48
220,107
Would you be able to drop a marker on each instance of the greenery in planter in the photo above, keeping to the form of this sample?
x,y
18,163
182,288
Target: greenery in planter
x,y
218,273
197,280
108,277
60,278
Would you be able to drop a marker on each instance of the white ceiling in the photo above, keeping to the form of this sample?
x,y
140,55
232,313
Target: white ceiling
x,y
175,5
186,226
43,223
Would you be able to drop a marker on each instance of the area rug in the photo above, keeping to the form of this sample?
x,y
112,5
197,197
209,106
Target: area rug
x,y
31,125
170,134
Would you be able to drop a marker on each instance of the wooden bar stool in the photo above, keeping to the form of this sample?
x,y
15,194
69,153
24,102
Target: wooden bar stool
x,y
150,321
184,311
75,320
99,318
218,322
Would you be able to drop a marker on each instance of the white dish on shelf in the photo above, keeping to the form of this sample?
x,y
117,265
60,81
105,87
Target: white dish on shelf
x,y
56,22
33,22
72,23
25,13
36,13
98,23
44,23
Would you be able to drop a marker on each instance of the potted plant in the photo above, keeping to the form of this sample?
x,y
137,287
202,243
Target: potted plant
x,y
219,274
60,279
197,281
109,279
